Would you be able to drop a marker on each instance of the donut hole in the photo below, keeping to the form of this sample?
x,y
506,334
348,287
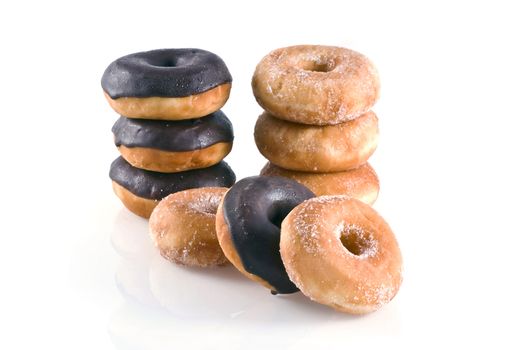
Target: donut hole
x,y
165,63
316,66
169,63
275,215
358,242
205,205
209,209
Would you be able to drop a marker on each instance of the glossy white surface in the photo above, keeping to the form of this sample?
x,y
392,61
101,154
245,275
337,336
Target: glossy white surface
x,y
79,271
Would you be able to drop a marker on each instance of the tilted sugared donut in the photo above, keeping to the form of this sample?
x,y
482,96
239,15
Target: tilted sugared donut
x,y
318,149
173,146
141,190
183,227
248,227
361,183
341,253
313,84
169,84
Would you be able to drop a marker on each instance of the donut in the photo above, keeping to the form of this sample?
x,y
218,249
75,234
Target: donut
x,y
141,190
169,84
173,146
182,226
341,253
318,149
361,183
313,84
248,227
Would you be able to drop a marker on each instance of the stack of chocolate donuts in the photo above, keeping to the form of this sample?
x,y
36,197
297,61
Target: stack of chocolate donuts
x,y
317,127
171,134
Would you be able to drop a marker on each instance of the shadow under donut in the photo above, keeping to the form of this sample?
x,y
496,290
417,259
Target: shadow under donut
x,y
165,301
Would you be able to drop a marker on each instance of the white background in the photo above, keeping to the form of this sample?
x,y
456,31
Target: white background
x,y
78,271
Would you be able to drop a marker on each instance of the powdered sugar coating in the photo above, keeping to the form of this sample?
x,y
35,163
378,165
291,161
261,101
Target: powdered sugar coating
x,y
182,227
207,203
311,227
330,148
341,253
365,241
361,183
314,84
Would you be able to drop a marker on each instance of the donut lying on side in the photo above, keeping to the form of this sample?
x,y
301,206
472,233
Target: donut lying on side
x,y
183,227
248,227
341,253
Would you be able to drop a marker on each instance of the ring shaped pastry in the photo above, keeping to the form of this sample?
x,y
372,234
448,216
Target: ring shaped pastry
x,y
173,146
141,190
318,149
341,253
183,227
169,84
313,84
361,183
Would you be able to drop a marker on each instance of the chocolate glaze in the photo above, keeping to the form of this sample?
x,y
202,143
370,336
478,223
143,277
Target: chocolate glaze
x,y
164,73
154,185
254,209
177,136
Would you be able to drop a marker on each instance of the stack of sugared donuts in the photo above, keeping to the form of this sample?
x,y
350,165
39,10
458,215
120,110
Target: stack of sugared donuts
x,y
171,133
317,127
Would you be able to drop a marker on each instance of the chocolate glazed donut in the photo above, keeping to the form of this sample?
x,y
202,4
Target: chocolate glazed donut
x,y
141,190
164,73
176,136
173,146
248,227
171,84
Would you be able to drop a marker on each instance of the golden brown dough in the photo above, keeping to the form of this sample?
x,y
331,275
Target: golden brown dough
x,y
183,227
171,162
225,240
172,108
140,206
341,253
361,183
313,84
318,149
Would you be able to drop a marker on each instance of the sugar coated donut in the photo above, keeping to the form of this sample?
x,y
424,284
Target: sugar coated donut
x,y
248,227
341,253
317,148
361,183
183,227
173,146
167,84
141,190
319,85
